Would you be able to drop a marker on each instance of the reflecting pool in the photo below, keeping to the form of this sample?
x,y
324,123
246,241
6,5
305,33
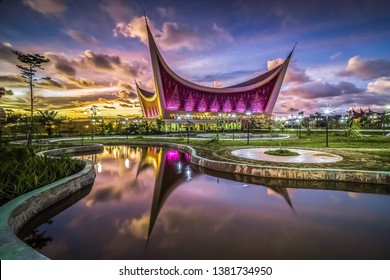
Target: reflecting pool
x,y
149,203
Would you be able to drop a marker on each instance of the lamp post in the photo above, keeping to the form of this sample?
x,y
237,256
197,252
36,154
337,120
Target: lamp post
x,y
93,111
300,117
327,111
188,128
178,126
248,113
218,127
233,116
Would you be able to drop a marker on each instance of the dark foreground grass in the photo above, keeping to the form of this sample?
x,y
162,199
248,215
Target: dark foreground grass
x,y
22,171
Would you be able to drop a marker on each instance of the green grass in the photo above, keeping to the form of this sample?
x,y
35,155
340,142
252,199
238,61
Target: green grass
x,y
22,171
281,152
367,153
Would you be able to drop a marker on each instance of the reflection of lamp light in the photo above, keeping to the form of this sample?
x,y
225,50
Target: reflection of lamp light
x,y
179,167
99,167
188,173
127,163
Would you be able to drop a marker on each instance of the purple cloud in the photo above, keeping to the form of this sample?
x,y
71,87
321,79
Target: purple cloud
x,y
366,69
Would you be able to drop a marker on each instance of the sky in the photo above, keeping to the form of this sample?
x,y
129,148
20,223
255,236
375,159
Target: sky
x,y
97,49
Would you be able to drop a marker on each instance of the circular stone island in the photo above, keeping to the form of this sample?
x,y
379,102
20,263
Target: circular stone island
x,y
304,156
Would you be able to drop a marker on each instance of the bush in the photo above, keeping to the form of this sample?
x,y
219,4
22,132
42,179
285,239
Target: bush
x,y
22,171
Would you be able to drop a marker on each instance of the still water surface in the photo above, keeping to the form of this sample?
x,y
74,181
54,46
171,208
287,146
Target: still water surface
x,y
149,203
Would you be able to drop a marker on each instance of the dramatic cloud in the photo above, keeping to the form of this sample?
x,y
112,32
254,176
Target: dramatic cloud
x,y
62,65
173,36
80,37
320,89
46,7
50,84
6,53
294,74
12,80
367,69
102,61
381,85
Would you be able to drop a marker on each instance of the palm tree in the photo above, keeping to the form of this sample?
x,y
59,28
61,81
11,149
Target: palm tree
x,y
47,118
352,129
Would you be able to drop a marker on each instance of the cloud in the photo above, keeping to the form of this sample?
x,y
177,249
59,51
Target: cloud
x,y
126,105
82,83
109,107
125,85
102,61
117,10
321,89
168,12
62,65
366,69
50,84
13,80
294,74
137,227
6,53
336,55
80,37
46,7
381,85
4,91
173,36
217,84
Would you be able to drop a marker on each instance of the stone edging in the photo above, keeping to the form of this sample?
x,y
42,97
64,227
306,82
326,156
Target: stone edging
x,y
332,174
14,214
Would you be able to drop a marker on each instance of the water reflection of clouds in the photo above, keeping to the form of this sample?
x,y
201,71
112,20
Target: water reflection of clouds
x,y
211,218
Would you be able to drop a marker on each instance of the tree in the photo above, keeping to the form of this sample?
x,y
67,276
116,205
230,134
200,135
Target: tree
x,y
28,68
352,129
47,119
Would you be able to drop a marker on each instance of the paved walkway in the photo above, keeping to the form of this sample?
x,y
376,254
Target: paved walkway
x,y
305,156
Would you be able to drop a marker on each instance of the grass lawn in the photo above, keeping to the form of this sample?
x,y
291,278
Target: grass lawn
x,y
366,153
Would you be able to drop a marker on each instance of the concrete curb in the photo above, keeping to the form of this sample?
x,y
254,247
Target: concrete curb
x,y
15,214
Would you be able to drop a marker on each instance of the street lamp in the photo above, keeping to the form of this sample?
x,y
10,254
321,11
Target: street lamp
x,y
188,128
93,111
248,113
300,117
178,126
233,116
327,111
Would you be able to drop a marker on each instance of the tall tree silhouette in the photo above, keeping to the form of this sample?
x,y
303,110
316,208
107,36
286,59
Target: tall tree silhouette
x,y
28,68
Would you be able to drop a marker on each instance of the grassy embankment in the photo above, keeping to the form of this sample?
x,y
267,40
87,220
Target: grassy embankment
x,y
22,171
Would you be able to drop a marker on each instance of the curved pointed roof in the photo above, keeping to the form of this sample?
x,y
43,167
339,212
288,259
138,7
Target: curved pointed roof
x,y
174,93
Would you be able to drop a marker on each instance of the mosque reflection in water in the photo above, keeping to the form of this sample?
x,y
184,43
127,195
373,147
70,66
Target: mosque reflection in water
x,y
149,203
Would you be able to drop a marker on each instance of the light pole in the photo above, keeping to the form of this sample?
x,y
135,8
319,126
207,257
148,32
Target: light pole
x,y
178,126
188,128
93,111
248,113
218,126
233,116
327,111
300,117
